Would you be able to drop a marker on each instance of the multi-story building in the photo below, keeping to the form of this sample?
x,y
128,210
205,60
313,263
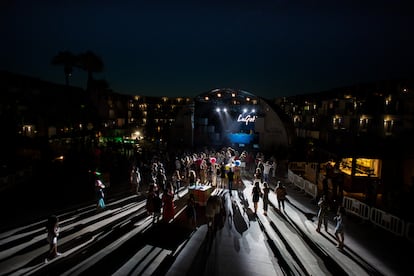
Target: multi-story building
x,y
39,109
365,132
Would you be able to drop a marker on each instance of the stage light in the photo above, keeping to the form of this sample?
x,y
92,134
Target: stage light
x,y
225,109
244,110
218,109
253,110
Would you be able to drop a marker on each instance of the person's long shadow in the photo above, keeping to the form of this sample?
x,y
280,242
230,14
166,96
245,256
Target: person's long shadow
x,y
309,216
238,219
246,209
199,262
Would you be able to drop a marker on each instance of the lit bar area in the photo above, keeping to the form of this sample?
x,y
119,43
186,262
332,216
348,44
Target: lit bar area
x,y
361,176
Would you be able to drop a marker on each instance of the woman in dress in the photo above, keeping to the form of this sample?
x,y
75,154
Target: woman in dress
x,y
168,204
256,193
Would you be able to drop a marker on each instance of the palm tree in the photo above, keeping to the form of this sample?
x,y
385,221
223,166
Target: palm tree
x,y
68,61
91,63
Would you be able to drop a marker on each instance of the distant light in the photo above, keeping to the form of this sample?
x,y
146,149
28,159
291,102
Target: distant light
x,y
59,158
218,109
244,110
225,109
206,98
254,110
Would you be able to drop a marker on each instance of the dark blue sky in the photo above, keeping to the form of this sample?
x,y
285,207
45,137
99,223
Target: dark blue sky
x,y
183,48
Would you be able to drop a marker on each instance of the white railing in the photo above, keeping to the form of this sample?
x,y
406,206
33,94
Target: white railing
x,y
297,166
303,184
311,189
387,221
409,231
355,207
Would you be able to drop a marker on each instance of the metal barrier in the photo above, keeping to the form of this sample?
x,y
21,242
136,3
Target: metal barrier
x,y
378,217
297,166
291,176
356,207
303,184
387,221
299,182
409,231
311,189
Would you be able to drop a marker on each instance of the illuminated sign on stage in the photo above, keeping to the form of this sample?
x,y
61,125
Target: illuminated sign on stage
x,y
246,119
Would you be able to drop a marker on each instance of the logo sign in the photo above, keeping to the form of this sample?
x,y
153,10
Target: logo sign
x,y
246,119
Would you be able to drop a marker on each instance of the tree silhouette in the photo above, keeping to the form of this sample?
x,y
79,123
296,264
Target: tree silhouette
x,y
91,63
68,61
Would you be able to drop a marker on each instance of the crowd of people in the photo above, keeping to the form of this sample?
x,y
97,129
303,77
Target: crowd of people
x,y
162,179
221,169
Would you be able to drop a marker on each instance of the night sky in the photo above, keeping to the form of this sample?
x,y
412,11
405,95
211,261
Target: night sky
x,y
184,48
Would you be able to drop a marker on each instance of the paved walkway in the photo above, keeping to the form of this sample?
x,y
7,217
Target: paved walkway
x,y
380,250
241,239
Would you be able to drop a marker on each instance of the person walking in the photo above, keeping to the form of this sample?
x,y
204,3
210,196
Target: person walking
x,y
322,213
52,229
265,193
256,193
281,195
339,228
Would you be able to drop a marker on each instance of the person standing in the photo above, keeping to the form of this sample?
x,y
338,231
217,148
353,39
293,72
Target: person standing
x,y
161,179
135,180
266,171
323,213
157,203
223,175
266,191
191,212
230,178
281,195
256,193
218,176
176,179
192,177
52,228
339,228
257,176
153,203
168,211
99,189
